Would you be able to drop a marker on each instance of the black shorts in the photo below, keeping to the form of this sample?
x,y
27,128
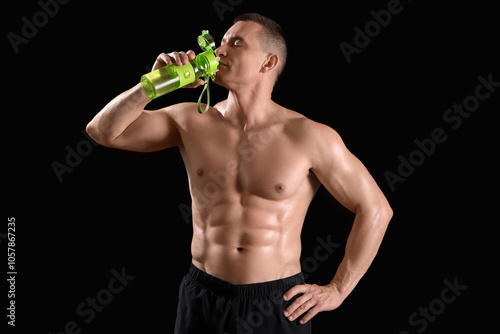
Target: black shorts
x,y
210,305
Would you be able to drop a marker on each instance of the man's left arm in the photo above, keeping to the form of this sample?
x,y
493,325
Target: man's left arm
x,y
346,178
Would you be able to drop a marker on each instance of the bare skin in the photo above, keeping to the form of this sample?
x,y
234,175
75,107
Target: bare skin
x,y
253,169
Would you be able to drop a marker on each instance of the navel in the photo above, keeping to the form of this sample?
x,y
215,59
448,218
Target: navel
x,y
199,172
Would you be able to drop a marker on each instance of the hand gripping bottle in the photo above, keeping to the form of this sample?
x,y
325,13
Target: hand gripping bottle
x,y
169,78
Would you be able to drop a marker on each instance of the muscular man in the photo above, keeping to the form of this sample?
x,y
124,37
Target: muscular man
x,y
253,169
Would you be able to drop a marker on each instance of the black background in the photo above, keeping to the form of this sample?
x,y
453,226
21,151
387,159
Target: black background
x,y
119,209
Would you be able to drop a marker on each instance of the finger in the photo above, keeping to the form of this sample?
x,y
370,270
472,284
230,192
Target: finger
x,y
191,54
195,84
302,308
309,315
164,58
184,58
294,291
198,82
297,305
177,58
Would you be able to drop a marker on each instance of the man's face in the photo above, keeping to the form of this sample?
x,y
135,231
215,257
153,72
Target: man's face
x,y
241,57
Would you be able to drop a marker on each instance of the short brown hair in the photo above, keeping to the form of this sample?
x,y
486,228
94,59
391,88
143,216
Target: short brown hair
x,y
272,37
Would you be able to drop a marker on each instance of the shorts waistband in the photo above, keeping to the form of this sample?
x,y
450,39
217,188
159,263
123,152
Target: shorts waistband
x,y
254,290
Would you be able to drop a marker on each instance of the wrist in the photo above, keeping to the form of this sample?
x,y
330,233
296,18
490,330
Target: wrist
x,y
339,289
138,96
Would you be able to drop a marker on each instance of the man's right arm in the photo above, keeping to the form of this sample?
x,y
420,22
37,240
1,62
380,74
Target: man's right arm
x,y
124,124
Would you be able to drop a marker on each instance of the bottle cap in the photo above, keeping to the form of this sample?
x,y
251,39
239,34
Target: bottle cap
x,y
206,41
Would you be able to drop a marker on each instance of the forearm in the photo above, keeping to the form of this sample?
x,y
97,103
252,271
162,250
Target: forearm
x,y
362,245
117,115
364,240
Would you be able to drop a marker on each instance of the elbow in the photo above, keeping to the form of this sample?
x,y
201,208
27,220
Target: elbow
x,y
388,212
380,215
96,134
93,132
384,213
100,130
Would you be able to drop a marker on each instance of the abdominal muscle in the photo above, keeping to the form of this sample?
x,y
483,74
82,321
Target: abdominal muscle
x,y
253,242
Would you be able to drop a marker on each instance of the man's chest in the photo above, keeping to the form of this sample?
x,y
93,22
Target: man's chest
x,y
265,163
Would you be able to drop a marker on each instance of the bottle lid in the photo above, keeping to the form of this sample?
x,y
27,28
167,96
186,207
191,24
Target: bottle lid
x,y
206,41
208,63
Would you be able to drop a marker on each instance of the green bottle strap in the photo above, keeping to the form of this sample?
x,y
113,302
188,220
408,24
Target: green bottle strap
x,y
205,88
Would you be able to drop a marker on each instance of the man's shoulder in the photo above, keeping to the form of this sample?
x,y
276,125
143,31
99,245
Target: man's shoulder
x,y
307,129
179,109
187,113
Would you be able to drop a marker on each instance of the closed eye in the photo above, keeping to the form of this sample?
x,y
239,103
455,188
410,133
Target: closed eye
x,y
235,41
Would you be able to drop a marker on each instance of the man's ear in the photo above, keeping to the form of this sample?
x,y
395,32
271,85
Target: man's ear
x,y
271,62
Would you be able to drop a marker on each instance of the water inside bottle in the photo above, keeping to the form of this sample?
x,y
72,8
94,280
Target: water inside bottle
x,y
160,82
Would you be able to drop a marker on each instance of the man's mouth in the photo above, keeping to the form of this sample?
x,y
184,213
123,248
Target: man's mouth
x,y
221,63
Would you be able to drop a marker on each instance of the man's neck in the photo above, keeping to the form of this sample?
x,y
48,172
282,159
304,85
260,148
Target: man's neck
x,y
249,108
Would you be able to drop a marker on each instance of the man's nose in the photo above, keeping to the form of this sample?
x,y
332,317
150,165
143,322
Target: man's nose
x,y
220,51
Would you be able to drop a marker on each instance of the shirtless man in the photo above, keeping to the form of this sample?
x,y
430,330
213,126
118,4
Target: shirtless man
x,y
253,169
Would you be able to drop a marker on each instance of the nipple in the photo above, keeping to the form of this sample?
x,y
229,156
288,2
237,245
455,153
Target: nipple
x,y
280,187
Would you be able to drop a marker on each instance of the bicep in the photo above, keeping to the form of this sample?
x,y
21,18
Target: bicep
x,y
151,131
343,175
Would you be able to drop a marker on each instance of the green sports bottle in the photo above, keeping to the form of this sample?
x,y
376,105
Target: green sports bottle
x,y
171,77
